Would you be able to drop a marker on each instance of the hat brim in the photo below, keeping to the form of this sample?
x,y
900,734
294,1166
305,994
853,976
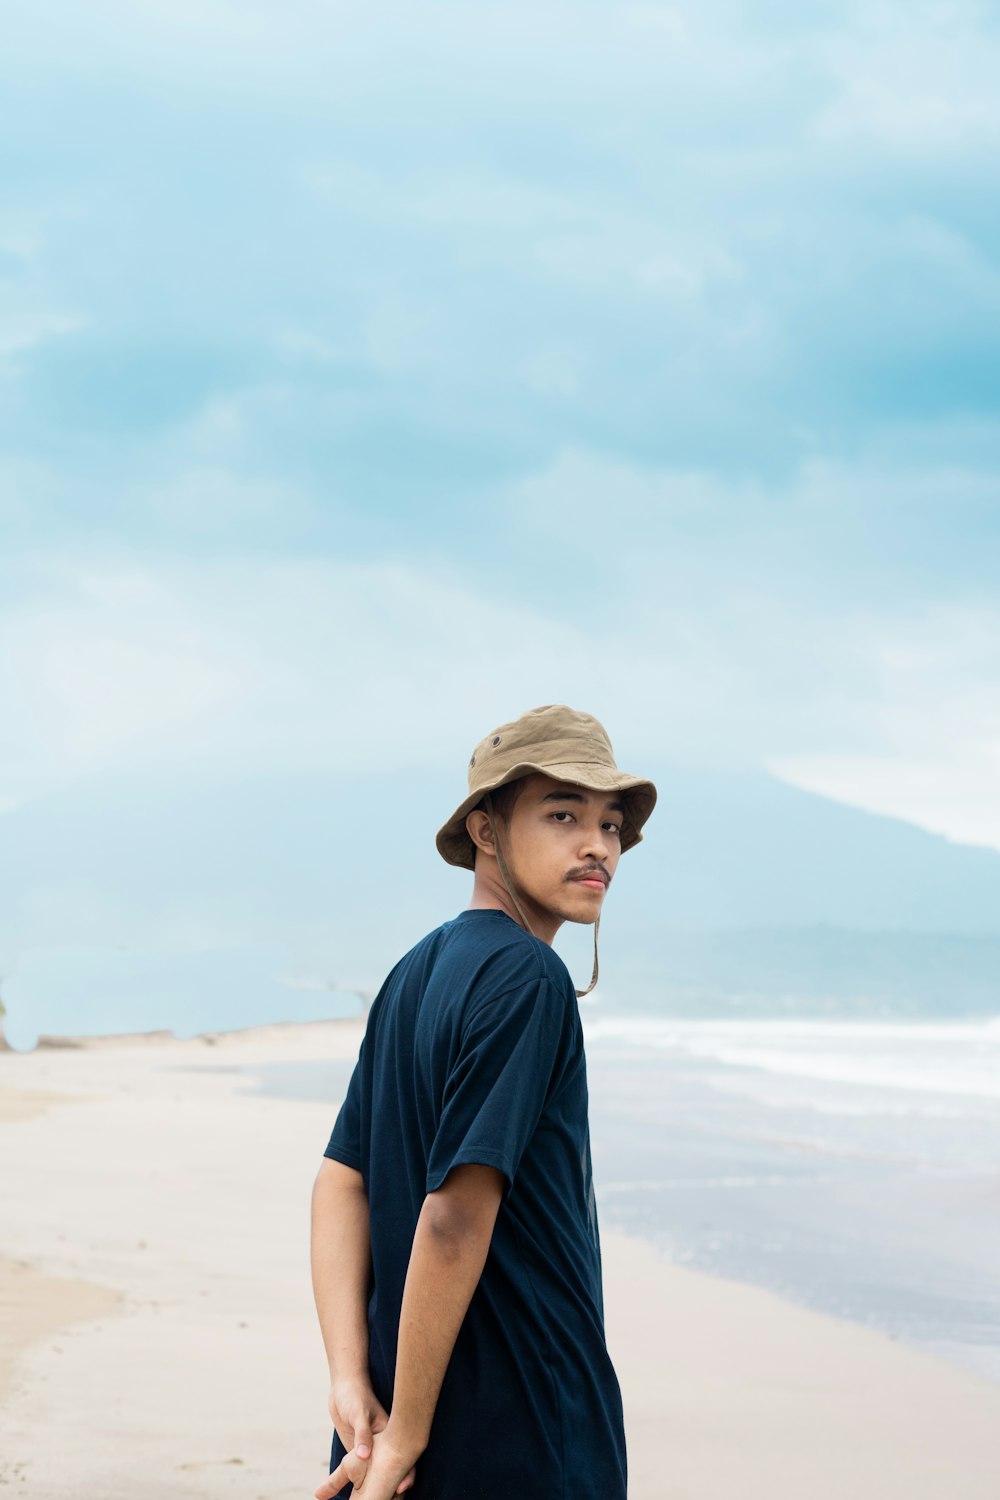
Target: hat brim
x,y
455,845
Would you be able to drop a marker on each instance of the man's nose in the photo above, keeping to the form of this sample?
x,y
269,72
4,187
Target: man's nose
x,y
595,843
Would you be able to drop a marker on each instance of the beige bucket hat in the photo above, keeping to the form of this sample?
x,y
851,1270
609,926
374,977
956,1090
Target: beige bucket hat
x,y
559,742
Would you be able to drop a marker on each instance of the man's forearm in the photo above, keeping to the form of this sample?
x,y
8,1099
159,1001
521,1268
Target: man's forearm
x,y
450,1246
341,1267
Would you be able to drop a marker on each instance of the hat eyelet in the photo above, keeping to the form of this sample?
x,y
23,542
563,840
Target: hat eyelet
x,y
496,739
472,762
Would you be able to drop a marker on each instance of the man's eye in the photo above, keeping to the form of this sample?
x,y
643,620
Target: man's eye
x,y
562,813
614,827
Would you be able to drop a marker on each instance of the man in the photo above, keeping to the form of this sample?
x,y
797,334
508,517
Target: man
x,y
456,1260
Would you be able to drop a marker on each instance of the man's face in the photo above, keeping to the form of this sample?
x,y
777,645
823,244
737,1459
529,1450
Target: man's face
x,y
562,845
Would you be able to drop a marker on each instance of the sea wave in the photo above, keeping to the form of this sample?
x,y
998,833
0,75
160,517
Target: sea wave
x,y
940,1057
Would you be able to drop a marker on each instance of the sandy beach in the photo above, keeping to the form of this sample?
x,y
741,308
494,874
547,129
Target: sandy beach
x,y
158,1333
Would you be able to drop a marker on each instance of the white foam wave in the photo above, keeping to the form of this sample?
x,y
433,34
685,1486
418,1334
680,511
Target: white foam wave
x,y
946,1057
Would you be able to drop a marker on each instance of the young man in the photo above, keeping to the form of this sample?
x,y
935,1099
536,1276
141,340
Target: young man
x,y
455,1252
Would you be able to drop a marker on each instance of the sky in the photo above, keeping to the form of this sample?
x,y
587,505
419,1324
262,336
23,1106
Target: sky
x,y
372,373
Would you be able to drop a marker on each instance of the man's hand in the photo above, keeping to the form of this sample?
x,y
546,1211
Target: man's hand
x,y
357,1414
389,1471
450,1246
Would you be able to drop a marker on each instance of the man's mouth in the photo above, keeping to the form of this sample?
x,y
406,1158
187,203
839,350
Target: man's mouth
x,y
593,878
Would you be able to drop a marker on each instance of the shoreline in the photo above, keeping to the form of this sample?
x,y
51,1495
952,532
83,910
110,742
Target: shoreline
x,y
86,1042
135,1169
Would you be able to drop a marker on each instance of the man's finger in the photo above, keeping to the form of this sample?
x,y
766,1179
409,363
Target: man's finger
x,y
350,1470
363,1438
333,1485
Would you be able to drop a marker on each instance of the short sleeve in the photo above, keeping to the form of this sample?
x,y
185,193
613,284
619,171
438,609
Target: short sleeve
x,y
345,1140
498,1084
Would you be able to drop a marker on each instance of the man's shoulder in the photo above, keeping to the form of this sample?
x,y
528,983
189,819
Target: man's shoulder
x,y
484,951
500,955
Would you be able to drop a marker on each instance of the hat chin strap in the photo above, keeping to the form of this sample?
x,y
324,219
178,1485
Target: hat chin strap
x,y
508,882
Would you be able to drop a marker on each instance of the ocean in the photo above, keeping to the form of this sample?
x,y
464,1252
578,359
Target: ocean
x,y
850,1167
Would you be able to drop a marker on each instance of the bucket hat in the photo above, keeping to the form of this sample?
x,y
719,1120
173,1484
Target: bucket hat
x,y
559,742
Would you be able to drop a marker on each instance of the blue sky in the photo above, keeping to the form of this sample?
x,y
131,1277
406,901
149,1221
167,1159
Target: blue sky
x,y
369,373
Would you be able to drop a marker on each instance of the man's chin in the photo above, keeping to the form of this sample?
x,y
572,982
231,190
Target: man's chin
x,y
584,914
582,908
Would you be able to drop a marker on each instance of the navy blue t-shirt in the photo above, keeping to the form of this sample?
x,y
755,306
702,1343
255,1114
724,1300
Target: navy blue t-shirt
x,y
474,1053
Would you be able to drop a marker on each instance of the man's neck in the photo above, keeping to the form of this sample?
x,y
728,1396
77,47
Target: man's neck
x,y
487,897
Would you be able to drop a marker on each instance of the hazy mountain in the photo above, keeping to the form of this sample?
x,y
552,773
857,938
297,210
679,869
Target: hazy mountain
x,y
744,849
755,896
745,892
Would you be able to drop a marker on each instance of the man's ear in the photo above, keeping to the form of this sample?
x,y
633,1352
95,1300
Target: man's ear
x,y
478,827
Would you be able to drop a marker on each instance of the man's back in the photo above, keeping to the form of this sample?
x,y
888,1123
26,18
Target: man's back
x,y
474,1054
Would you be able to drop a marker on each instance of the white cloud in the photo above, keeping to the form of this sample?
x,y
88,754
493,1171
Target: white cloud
x,y
783,628
264,664
955,795
206,498
284,664
937,727
634,233
22,331
640,254
102,668
923,80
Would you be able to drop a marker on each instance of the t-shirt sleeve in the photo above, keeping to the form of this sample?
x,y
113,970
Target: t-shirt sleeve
x,y
345,1140
499,1081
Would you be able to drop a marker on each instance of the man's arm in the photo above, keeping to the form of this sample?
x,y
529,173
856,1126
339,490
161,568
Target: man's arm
x,y
341,1277
450,1246
341,1265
